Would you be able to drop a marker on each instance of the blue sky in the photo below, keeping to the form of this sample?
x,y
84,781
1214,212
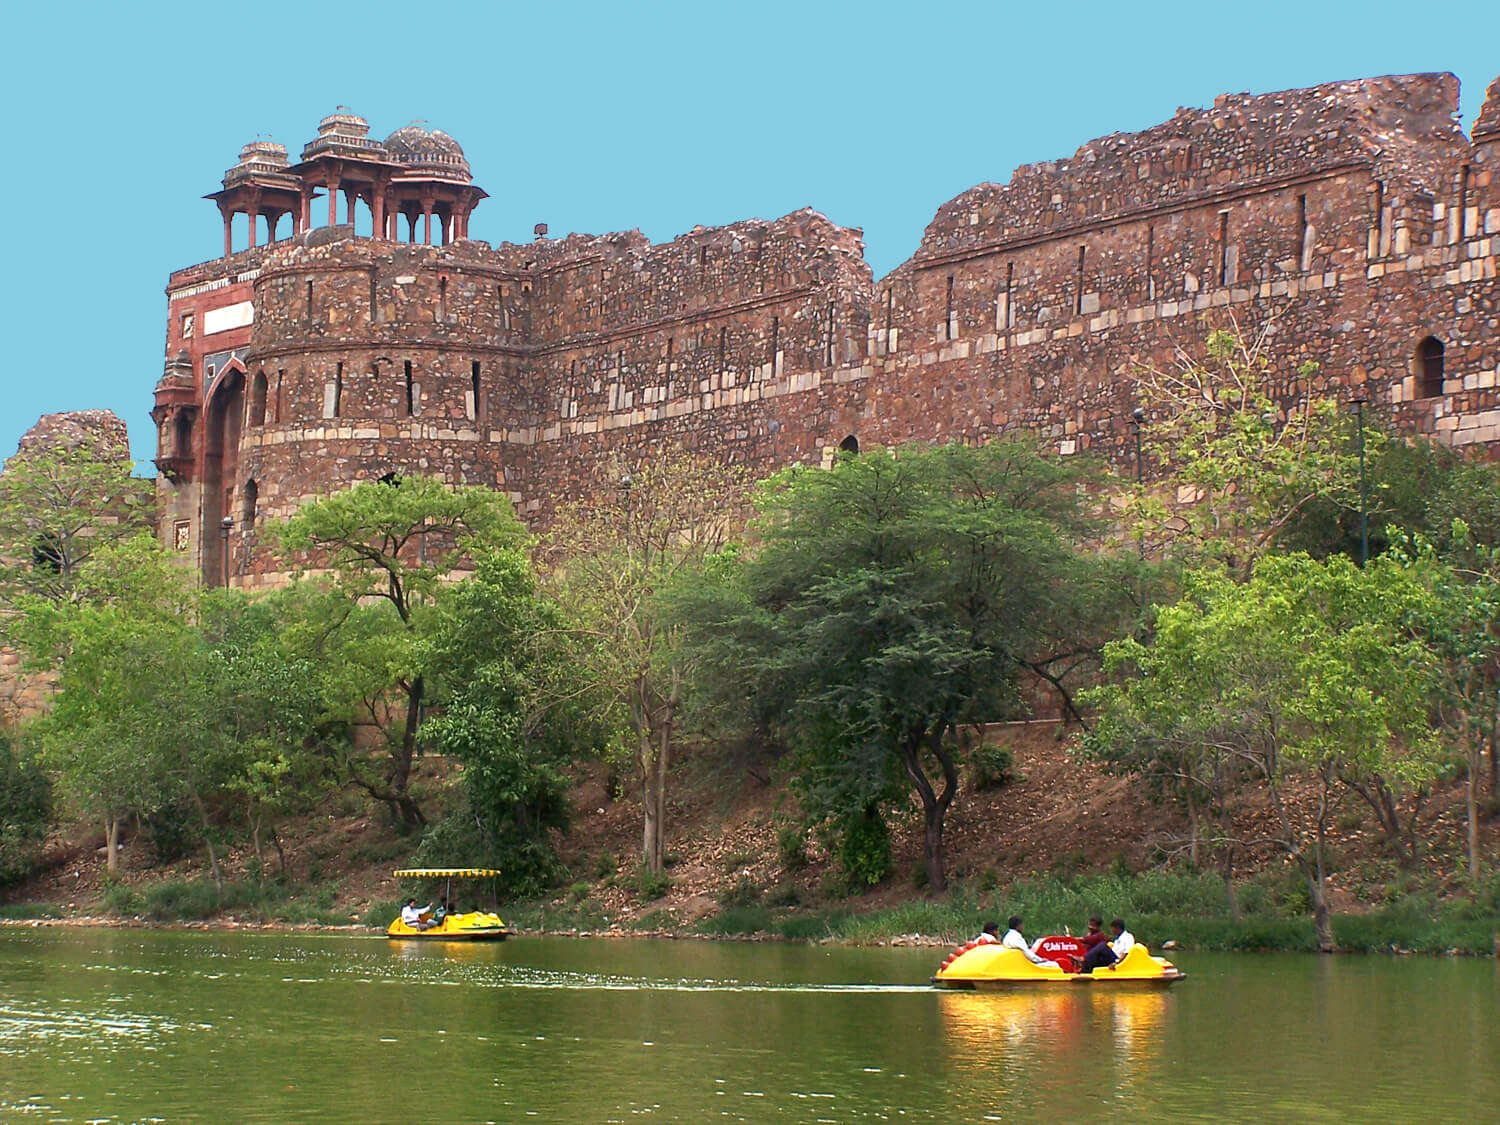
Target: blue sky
x,y
594,117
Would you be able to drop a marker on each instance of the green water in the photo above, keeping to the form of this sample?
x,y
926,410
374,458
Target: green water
x,y
130,1025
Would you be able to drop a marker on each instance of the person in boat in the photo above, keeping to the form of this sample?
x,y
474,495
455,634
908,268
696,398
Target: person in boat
x,y
1095,935
411,915
1013,939
1106,953
442,911
990,935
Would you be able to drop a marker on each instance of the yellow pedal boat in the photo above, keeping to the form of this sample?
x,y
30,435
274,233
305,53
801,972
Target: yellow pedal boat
x,y
992,965
476,925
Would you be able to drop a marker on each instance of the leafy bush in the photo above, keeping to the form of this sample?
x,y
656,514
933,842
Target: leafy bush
x,y
864,850
990,766
649,886
791,847
743,892
528,863
25,809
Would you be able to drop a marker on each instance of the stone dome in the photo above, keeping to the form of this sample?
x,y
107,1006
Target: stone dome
x,y
424,149
258,158
342,132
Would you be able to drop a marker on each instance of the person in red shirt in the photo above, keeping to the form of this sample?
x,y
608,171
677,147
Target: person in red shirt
x,y
1095,935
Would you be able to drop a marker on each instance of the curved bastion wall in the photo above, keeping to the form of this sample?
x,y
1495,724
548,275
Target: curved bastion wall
x,y
1353,224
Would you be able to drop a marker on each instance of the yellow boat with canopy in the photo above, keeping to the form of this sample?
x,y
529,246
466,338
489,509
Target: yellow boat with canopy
x,y
444,923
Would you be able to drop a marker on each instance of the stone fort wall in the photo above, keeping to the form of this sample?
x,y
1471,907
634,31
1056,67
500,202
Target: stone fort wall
x,y
1354,222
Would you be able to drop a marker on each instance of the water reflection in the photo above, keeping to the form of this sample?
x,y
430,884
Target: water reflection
x,y
1053,1037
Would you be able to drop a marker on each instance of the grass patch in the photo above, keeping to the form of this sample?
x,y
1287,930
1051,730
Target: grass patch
x,y
196,900
18,911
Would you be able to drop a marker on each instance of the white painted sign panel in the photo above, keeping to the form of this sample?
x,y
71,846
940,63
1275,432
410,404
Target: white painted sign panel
x,y
230,316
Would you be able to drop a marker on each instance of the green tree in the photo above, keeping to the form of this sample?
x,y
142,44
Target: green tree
x,y
1244,467
390,548
120,651
892,599
613,558
1461,621
58,505
514,708
1307,677
25,810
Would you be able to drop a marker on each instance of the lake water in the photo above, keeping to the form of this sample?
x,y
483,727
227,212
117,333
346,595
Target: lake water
x,y
133,1025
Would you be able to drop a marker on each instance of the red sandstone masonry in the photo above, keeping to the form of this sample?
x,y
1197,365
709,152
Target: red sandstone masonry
x,y
1352,221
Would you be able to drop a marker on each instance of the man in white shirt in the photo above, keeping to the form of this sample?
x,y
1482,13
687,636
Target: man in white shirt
x,y
1014,940
413,916
1106,953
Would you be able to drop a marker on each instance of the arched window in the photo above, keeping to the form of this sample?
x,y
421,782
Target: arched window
x,y
251,494
258,399
1430,367
849,445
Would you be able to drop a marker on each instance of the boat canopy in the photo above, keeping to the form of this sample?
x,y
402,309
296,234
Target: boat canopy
x,y
446,872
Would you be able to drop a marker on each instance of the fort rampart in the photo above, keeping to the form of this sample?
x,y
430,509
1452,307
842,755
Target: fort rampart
x,y
1354,223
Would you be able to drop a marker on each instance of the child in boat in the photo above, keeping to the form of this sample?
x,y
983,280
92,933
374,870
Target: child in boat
x,y
990,935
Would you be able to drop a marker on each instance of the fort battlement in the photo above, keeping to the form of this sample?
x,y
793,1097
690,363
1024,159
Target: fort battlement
x,y
1353,222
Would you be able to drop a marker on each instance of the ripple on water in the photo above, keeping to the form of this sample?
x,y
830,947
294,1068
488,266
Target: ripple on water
x,y
24,1028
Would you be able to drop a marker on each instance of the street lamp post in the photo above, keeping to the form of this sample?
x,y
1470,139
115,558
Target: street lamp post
x,y
225,526
1364,518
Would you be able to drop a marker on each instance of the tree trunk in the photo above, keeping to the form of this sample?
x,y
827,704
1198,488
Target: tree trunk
x,y
651,828
404,808
1471,794
1192,810
934,805
1322,921
1227,869
111,844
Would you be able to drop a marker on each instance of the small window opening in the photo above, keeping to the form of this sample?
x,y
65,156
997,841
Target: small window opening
x,y
474,389
276,407
723,350
309,300
775,344
391,478
1223,247
1301,250
250,496
950,320
372,296
258,399
1078,285
182,435
338,389
1463,202
442,300
46,554
1150,263
187,323
1379,214
849,445
1430,367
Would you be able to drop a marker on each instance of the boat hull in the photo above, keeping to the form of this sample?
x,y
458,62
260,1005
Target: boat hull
x,y
995,967
477,926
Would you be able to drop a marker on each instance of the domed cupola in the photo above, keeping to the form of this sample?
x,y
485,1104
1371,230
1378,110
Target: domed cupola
x,y
420,149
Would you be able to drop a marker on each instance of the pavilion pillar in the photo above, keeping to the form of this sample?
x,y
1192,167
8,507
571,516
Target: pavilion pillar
x,y
332,184
228,232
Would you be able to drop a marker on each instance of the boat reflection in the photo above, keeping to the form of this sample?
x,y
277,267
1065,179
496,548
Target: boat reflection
x,y
1082,1024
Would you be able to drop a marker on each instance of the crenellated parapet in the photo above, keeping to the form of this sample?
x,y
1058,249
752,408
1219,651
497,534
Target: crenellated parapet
x,y
1351,224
